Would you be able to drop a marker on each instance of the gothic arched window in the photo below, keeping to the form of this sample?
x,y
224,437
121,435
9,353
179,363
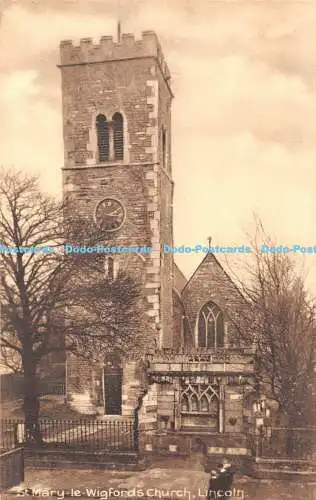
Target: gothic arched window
x,y
210,326
204,403
194,402
118,136
185,406
103,138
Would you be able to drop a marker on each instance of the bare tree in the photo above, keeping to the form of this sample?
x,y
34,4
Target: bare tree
x,y
281,318
42,290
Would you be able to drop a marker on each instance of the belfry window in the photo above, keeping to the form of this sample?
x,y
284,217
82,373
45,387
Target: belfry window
x,y
118,136
210,326
110,138
103,138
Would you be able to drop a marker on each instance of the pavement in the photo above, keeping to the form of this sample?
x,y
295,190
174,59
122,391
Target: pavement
x,y
161,481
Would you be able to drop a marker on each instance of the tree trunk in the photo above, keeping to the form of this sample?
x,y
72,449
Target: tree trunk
x,y
31,403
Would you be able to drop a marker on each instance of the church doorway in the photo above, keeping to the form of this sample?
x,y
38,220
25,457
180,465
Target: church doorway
x,y
112,387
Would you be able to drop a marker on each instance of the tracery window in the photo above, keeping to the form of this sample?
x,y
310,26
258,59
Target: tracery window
x,y
210,326
200,398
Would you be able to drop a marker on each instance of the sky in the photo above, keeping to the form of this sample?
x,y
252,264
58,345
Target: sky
x,y
244,113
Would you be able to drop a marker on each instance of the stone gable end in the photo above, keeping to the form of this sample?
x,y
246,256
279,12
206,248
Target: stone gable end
x,y
211,283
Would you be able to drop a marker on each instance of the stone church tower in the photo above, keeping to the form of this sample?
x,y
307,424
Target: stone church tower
x,y
116,100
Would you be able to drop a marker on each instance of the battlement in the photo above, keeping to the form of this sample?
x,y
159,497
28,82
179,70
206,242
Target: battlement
x,y
107,49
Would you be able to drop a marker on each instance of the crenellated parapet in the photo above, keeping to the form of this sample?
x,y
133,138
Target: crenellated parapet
x,y
88,52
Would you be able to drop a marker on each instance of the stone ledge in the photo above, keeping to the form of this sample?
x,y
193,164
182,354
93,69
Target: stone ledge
x,y
65,459
283,468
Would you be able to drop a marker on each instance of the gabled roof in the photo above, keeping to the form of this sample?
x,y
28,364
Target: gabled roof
x,y
210,258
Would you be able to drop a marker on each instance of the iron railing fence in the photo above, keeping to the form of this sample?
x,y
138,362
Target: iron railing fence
x,y
9,434
284,442
114,434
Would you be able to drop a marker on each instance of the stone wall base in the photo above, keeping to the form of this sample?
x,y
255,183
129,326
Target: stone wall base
x,y
286,469
52,459
11,468
181,444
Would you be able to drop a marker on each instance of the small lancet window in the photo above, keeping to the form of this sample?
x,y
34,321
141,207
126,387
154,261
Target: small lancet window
x,y
204,403
194,403
185,403
118,136
103,138
111,268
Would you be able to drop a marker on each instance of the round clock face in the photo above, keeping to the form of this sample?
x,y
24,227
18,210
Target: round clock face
x,y
109,214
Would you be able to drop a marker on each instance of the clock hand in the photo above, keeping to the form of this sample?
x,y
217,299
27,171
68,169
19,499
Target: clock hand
x,y
113,214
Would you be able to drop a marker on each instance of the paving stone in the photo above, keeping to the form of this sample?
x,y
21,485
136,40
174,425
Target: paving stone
x,y
157,482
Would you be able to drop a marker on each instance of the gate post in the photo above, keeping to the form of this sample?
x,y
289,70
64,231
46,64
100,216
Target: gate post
x,y
136,430
136,420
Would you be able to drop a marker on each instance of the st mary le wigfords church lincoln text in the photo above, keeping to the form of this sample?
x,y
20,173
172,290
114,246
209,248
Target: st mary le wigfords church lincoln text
x,y
117,98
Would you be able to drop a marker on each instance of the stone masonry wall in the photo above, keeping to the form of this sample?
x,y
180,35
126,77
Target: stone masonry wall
x,y
233,410
132,78
166,208
178,314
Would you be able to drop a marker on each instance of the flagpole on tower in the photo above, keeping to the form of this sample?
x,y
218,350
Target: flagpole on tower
x,y
119,13
119,31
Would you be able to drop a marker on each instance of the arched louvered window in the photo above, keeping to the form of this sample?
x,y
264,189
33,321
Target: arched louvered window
x,y
103,138
210,326
118,136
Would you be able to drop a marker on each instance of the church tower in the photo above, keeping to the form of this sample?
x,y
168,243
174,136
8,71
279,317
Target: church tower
x,y
116,100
